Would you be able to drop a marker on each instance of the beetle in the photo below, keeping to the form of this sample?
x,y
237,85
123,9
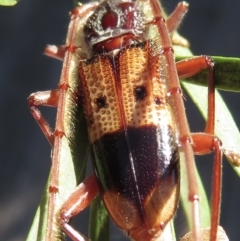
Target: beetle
x,y
121,55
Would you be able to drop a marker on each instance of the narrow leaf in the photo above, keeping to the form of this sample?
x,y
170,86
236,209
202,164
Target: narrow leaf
x,y
99,221
8,2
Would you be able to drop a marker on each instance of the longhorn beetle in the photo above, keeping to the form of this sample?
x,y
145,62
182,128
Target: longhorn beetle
x,y
119,66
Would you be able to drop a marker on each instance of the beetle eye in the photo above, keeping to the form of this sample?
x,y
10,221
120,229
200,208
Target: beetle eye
x,y
110,20
140,93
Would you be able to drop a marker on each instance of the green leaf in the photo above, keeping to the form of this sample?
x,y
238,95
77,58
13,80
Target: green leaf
x,y
8,2
99,221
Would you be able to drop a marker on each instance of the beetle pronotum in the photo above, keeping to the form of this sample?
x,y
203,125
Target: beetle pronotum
x,y
122,54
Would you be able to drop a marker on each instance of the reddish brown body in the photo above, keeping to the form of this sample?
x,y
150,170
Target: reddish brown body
x,y
122,55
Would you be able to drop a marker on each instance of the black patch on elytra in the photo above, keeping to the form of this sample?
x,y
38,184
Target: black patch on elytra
x,y
140,93
135,160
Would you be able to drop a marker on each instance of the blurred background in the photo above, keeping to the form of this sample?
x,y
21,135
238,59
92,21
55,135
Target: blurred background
x,y
211,26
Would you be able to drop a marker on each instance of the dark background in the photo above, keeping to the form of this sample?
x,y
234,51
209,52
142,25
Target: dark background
x,y
211,26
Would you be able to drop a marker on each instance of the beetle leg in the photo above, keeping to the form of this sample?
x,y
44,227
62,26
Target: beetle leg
x,y
205,143
197,64
78,200
46,98
190,67
43,98
55,51
176,16
175,95
173,22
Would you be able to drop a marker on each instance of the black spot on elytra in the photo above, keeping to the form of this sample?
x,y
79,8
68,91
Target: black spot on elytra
x,y
101,102
140,92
